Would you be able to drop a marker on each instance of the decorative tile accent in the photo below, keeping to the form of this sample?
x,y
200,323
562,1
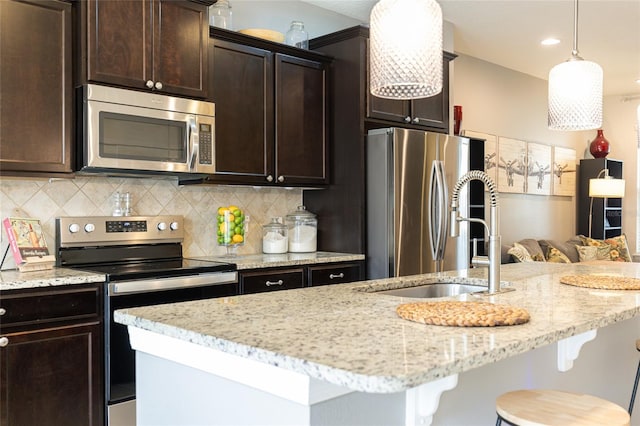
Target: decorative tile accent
x,y
92,196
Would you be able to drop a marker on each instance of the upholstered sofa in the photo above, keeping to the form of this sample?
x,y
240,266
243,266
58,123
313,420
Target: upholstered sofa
x,y
576,249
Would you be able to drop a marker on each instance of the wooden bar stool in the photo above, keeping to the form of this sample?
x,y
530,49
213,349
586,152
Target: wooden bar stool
x,y
551,407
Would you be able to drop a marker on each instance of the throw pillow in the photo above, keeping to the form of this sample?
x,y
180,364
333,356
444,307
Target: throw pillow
x,y
556,256
533,248
587,253
520,253
568,248
618,248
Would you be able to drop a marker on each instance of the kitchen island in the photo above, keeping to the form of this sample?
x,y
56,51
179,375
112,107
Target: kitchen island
x,y
340,354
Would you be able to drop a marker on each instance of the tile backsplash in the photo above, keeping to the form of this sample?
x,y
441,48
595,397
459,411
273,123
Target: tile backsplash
x,y
92,196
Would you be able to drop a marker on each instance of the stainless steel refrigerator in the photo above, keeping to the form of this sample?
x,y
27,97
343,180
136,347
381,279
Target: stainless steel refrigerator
x,y
410,176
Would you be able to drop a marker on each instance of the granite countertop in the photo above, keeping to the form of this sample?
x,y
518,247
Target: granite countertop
x,y
260,260
346,335
16,280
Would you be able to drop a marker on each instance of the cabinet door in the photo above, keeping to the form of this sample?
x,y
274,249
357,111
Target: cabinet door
x,y
261,281
433,111
180,40
242,89
35,87
430,113
301,118
52,377
388,109
335,274
119,44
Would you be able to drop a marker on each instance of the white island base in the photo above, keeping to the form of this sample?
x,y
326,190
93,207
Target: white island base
x,y
181,383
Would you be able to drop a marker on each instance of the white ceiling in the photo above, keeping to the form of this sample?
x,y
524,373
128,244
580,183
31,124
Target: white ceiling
x,y
508,33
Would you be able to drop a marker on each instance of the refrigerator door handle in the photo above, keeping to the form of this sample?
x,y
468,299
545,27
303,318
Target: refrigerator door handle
x,y
444,210
437,208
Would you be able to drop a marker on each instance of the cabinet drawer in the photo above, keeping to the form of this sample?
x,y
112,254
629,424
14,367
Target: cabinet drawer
x,y
50,305
282,279
334,274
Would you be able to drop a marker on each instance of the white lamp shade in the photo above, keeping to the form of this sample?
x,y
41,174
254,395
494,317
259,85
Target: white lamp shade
x,y
405,42
606,188
575,95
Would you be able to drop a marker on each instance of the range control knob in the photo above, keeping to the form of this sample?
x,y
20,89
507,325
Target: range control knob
x,y
174,226
74,227
89,227
162,226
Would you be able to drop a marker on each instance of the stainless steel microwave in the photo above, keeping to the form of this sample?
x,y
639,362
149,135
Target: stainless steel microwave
x,y
128,132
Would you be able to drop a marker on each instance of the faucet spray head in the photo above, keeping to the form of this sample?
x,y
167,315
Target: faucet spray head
x,y
454,223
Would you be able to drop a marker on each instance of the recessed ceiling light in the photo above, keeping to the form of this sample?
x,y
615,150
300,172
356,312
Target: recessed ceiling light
x,y
638,80
550,41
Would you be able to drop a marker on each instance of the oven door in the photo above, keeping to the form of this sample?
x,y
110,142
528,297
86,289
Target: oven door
x,y
119,357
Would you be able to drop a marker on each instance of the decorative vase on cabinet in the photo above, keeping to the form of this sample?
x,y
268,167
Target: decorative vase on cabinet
x,y
599,147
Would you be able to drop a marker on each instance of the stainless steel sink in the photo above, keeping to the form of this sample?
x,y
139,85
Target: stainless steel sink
x,y
434,290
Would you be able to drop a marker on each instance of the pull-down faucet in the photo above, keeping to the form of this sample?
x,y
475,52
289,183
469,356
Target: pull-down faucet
x,y
493,259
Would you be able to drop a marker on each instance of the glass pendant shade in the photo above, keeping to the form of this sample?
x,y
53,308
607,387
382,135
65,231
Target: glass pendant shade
x,y
575,95
406,49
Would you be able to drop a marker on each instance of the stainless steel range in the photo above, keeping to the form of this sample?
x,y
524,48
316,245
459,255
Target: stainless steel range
x,y
141,257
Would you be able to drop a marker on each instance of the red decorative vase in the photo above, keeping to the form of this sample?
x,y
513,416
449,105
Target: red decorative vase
x,y
599,147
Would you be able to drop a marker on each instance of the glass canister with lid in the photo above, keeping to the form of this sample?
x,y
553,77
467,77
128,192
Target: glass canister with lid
x,y
274,237
303,231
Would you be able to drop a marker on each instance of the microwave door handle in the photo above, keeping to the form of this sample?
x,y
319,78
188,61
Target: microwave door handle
x,y
192,142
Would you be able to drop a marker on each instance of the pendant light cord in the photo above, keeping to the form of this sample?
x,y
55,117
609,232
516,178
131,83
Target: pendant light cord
x,y
575,29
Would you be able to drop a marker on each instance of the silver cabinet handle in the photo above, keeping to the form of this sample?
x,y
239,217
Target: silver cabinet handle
x,y
416,120
270,283
407,119
4,341
269,178
149,84
158,85
2,311
333,276
280,178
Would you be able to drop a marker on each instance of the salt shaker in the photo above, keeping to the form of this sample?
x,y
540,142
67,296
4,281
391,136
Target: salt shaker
x,y
297,36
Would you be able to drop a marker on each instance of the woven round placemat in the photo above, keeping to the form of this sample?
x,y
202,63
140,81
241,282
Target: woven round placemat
x,y
602,282
462,314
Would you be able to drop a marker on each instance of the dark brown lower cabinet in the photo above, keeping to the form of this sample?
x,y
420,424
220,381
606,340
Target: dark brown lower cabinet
x,y
51,357
285,278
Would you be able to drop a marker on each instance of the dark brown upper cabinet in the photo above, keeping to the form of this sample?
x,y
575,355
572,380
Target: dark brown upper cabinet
x,y
36,91
271,112
431,112
157,45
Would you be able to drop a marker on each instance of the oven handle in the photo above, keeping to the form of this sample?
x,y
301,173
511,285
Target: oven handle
x,y
160,284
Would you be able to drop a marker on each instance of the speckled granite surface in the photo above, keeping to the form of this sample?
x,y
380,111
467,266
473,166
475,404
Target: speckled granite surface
x,y
349,336
260,260
15,280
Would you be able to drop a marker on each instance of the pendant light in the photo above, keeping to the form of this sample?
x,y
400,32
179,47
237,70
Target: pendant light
x,y
406,49
575,91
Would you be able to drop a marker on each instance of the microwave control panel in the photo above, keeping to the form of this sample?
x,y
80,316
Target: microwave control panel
x,y
205,144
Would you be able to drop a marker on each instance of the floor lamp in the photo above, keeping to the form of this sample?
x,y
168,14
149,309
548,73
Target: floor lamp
x,y
604,187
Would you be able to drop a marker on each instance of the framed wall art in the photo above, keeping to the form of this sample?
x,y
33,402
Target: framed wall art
x,y
512,165
539,169
564,171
